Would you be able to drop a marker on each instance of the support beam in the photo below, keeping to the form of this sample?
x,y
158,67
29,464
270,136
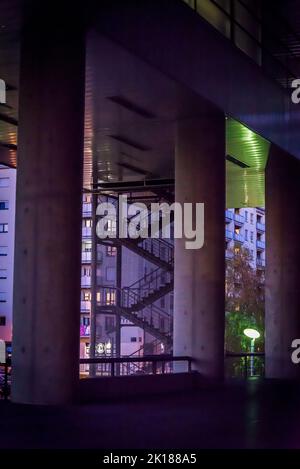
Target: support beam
x,y
48,207
199,290
282,263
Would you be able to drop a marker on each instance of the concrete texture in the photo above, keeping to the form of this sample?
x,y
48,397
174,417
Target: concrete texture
x,y
282,263
199,274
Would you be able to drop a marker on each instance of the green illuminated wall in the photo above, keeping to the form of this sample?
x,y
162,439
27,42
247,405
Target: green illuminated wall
x,y
247,155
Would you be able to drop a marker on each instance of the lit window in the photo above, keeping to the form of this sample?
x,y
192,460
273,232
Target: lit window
x,y
3,227
110,297
87,296
111,251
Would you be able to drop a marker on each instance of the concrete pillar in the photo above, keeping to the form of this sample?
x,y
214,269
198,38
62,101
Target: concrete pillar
x,y
48,206
199,298
282,263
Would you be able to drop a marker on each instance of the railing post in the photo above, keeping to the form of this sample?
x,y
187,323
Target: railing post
x,y
163,366
112,368
154,367
189,365
246,366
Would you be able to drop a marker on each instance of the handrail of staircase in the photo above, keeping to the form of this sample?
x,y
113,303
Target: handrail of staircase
x,y
152,280
153,359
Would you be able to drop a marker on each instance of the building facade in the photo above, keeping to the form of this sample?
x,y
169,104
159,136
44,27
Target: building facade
x,y
245,228
7,238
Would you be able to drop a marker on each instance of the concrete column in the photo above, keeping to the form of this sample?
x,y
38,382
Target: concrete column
x,y
200,274
48,207
282,263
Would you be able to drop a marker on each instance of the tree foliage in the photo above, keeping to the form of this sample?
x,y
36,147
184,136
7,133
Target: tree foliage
x,y
244,301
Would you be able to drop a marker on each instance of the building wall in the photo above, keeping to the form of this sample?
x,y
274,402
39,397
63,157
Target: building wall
x,y
7,239
245,228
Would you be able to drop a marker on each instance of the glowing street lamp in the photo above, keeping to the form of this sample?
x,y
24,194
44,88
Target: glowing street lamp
x,y
252,334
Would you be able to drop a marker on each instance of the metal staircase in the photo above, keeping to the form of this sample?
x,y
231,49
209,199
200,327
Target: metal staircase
x,y
136,302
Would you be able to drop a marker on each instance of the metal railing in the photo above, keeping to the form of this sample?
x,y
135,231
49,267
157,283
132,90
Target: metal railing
x,y
238,237
260,244
149,283
244,364
160,322
228,234
239,218
228,215
159,248
260,226
152,364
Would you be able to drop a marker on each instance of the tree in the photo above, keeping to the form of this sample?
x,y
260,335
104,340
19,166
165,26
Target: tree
x,y
244,301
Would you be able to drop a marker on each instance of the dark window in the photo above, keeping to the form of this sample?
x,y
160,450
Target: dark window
x,y
3,205
2,320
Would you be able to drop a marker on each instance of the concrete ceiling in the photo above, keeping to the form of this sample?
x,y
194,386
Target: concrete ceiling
x,y
131,113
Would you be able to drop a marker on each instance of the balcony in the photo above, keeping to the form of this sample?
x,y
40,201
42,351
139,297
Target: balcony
x,y
261,227
260,263
229,254
86,257
228,235
228,216
239,219
85,306
85,282
239,238
87,210
260,244
86,232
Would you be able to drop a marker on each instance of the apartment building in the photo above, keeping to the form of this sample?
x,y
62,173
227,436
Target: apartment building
x,y
245,228
7,236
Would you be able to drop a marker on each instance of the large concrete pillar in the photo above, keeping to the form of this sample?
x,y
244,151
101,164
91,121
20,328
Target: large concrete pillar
x,y
282,263
48,207
199,290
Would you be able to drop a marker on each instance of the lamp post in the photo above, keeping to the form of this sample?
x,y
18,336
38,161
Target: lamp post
x,y
252,334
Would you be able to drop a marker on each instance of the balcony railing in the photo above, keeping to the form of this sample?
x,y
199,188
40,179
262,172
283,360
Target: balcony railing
x,y
86,232
229,254
239,218
147,364
228,215
86,257
228,234
261,244
85,282
238,237
260,263
87,210
260,227
85,306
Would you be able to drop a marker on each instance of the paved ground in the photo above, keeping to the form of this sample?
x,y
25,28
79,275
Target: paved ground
x,y
244,415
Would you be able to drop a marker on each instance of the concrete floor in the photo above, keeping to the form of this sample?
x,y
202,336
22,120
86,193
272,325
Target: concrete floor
x,y
253,414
